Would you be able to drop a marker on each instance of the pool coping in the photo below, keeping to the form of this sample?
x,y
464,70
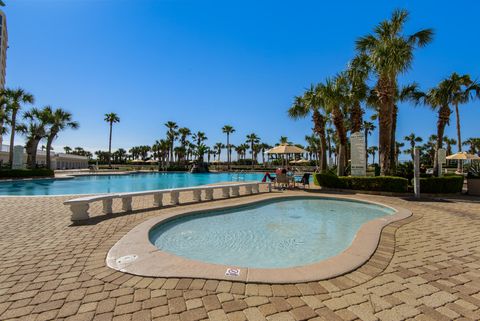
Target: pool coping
x,y
141,257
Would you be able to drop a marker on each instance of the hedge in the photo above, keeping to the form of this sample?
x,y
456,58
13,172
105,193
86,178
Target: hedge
x,y
367,183
26,173
442,185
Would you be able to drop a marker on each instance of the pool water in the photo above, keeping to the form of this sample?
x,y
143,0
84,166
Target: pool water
x,y
119,183
277,233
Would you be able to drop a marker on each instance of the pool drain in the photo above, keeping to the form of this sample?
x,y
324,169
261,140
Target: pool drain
x,y
127,259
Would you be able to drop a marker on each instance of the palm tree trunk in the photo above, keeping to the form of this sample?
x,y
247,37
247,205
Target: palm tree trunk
x,y
356,117
443,119
342,138
12,137
393,141
110,146
385,91
319,127
228,150
459,139
49,146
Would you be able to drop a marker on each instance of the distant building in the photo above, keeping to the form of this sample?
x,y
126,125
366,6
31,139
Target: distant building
x,y
59,160
3,55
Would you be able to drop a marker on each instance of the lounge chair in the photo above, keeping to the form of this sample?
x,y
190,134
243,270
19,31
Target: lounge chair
x,y
305,180
282,181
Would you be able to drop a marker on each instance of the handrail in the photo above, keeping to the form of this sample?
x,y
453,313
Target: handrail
x,y
79,206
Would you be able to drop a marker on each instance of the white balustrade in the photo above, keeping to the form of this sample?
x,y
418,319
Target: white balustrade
x,y
107,206
79,207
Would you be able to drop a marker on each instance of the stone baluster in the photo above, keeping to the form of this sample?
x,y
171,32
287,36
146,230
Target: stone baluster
x,y
209,194
158,199
107,206
79,211
174,197
127,203
197,195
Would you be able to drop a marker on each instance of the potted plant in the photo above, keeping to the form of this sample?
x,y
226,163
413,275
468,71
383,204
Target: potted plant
x,y
473,179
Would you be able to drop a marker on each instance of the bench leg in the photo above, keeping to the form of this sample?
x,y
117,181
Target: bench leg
x,y
107,206
127,204
248,189
79,212
255,189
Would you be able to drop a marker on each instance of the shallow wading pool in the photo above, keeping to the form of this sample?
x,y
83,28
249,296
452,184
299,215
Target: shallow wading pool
x,y
276,239
274,234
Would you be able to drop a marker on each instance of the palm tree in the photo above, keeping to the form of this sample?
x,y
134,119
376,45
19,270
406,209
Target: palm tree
x,y
449,142
67,149
334,94
227,129
474,144
390,53
35,131
461,89
57,120
184,132
398,146
284,140
111,118
199,138
368,128
253,139
357,75
15,99
263,148
312,102
172,135
4,115
218,149
412,140
372,151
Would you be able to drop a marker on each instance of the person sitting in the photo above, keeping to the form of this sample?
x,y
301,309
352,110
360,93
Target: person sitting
x,y
270,177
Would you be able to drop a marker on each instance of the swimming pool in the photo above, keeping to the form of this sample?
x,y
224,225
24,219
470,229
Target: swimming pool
x,y
277,233
119,183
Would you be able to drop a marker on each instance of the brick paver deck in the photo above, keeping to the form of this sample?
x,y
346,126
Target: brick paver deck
x,y
426,268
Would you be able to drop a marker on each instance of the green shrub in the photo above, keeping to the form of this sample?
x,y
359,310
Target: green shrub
x,y
367,183
26,173
441,185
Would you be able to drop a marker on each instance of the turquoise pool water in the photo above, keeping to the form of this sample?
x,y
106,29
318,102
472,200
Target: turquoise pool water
x,y
119,183
272,234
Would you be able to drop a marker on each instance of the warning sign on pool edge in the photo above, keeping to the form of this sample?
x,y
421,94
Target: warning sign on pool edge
x,y
232,272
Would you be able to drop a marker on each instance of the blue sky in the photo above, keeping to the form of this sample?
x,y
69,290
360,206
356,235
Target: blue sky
x,y
204,64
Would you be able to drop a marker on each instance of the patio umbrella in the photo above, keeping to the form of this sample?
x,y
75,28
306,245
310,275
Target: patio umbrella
x,y
286,149
137,161
152,161
463,156
300,161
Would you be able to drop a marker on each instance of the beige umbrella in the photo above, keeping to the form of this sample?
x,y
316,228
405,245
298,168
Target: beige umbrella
x,y
152,161
286,149
137,161
463,156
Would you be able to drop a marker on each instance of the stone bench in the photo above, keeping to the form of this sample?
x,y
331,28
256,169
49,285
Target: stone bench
x,y
80,206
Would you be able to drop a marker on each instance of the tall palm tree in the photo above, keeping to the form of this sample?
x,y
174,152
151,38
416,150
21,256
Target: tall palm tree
x,y
67,149
199,137
312,102
15,99
398,146
253,139
228,129
218,149
462,90
111,118
334,95
57,120
390,53
357,75
4,115
172,135
412,139
283,140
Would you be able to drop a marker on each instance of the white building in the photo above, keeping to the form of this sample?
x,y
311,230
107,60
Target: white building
x,y
59,160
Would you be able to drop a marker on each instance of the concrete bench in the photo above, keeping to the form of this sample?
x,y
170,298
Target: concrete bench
x,y
80,206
